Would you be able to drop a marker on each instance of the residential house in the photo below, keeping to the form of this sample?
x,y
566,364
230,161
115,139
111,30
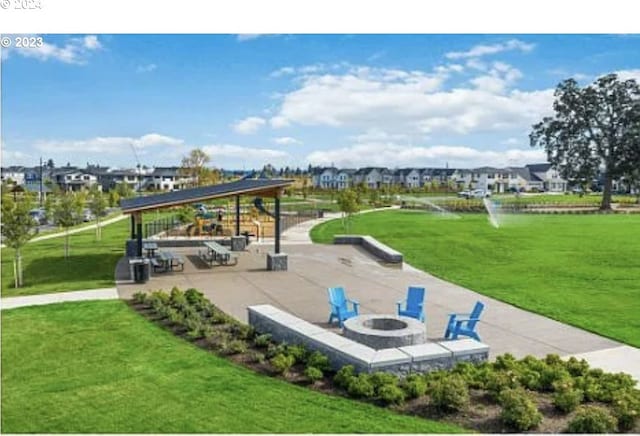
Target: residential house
x,y
168,179
550,177
409,178
324,177
14,174
370,177
344,178
73,179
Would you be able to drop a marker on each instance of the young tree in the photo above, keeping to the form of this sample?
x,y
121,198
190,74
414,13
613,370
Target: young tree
x,y
348,204
17,229
595,127
193,165
114,198
66,213
124,190
97,204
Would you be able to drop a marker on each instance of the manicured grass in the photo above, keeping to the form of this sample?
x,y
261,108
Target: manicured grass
x,y
98,367
91,264
579,269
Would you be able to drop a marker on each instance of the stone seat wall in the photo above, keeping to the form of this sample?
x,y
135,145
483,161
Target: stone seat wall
x,y
341,351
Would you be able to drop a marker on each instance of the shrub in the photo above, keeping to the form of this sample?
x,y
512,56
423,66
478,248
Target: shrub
x,y
139,297
194,296
208,331
505,362
262,341
518,410
319,360
256,357
530,379
282,363
391,394
344,375
178,299
414,386
576,367
174,316
275,349
313,374
566,400
592,419
235,346
220,339
242,331
380,379
610,384
450,393
626,408
361,386
299,353
499,381
553,375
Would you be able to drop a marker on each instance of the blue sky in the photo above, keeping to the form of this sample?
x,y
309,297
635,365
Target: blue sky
x,y
248,100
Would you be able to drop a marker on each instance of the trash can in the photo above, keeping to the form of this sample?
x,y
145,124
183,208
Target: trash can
x,y
141,270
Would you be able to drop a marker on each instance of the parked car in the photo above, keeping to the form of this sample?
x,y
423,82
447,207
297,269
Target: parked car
x,y
87,216
38,216
476,193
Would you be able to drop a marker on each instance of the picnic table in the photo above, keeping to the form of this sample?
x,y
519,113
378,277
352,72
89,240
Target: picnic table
x,y
217,253
168,261
150,248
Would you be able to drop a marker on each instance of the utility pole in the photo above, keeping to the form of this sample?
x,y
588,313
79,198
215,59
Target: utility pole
x,y
40,181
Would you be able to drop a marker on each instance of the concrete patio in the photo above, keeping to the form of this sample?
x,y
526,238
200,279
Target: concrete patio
x,y
312,268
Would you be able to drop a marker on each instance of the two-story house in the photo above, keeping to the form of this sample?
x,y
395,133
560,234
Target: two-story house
x,y
324,177
550,177
344,178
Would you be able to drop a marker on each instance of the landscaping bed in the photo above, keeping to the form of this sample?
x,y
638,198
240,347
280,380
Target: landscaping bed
x,y
530,394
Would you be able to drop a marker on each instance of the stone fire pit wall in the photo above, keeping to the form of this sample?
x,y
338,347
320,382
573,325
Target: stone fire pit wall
x,y
385,331
341,351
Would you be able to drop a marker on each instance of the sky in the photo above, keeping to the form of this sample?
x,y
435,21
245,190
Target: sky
x,y
292,100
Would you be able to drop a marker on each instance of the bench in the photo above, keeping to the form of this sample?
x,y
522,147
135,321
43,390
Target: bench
x,y
285,327
156,264
372,245
217,253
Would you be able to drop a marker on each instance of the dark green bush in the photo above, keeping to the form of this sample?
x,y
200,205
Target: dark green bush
x,y
576,367
139,297
174,316
262,341
450,394
361,387
610,384
626,408
499,381
242,331
194,297
505,362
380,379
566,400
391,394
235,346
282,363
344,375
518,410
299,352
178,299
414,386
207,331
275,349
319,360
530,379
313,374
553,375
592,419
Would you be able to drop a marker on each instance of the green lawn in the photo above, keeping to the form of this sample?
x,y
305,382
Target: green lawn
x,y
579,269
98,367
91,263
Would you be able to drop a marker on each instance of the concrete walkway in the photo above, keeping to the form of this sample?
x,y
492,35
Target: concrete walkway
x,y
80,229
38,300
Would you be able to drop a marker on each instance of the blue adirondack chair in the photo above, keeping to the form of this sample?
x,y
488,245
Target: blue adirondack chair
x,y
339,305
414,303
464,324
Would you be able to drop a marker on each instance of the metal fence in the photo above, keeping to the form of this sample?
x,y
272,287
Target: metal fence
x,y
160,225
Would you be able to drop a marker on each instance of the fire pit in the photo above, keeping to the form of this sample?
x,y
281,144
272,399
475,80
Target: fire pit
x,y
385,331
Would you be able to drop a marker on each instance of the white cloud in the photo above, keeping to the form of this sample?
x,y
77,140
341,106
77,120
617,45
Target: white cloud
x,y
147,68
241,152
485,50
74,51
249,125
286,140
411,102
392,154
15,157
628,74
512,141
248,36
112,145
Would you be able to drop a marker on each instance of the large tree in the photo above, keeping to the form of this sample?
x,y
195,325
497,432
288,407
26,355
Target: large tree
x,y
17,229
194,166
594,128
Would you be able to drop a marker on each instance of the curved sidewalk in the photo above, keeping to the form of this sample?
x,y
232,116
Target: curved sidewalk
x,y
39,300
